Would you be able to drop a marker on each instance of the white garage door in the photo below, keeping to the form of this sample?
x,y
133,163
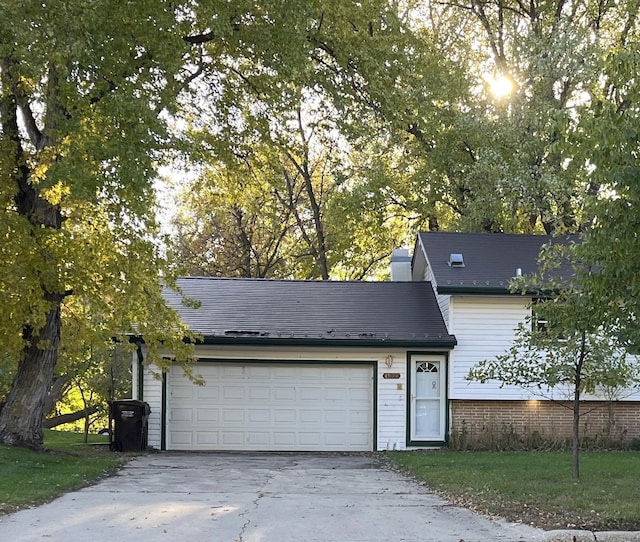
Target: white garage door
x,y
270,406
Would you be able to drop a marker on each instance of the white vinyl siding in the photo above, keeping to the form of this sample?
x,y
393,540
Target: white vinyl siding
x,y
484,327
444,301
392,406
152,394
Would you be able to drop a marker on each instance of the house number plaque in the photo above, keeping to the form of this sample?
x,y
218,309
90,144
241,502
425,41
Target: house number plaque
x,y
393,376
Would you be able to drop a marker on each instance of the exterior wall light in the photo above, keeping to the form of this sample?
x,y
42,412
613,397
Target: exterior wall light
x,y
388,361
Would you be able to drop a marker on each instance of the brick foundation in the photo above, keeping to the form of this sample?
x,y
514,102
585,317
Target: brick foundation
x,y
525,423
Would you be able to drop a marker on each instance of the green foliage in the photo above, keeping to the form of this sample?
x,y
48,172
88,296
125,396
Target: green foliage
x,y
83,126
95,373
560,366
521,162
91,96
608,141
285,146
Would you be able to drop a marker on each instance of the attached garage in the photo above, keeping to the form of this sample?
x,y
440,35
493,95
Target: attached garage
x,y
272,406
296,366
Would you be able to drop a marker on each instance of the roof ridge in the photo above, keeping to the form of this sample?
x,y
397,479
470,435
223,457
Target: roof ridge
x,y
489,234
303,281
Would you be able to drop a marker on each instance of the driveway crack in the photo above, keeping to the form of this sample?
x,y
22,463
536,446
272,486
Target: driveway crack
x,y
256,502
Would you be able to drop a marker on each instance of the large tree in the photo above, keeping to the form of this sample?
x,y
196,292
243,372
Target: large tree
x,y
297,202
316,146
506,159
82,90
608,140
88,90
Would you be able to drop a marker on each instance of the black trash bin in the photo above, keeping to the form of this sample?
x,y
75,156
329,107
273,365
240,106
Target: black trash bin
x,y
130,425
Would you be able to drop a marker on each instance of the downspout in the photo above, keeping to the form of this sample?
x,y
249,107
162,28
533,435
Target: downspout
x,y
140,391
163,414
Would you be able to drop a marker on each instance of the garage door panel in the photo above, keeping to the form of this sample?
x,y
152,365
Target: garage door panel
x,y
335,416
311,439
183,391
259,393
208,415
259,416
358,395
283,371
284,440
207,438
181,438
310,373
234,416
284,394
208,392
310,394
273,407
259,372
231,393
335,394
335,439
284,416
233,438
231,372
181,414
258,439
310,416
362,417
358,439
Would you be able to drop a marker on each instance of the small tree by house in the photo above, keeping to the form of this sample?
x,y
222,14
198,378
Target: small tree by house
x,y
564,350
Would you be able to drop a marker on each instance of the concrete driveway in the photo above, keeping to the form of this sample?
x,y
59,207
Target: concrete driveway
x,y
255,498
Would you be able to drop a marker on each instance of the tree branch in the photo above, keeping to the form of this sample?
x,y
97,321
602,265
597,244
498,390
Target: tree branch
x,y
68,418
35,134
199,39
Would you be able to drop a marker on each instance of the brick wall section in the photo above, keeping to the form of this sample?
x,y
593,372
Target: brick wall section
x,y
482,420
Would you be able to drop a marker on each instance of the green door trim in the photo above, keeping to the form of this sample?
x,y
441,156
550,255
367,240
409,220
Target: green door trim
x,y
427,443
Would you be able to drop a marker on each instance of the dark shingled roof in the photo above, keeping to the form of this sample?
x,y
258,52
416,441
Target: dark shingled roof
x,y
250,311
490,259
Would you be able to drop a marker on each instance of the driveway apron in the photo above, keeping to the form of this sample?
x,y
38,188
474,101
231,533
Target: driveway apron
x,y
256,498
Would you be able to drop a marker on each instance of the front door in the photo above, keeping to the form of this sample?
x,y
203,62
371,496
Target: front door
x,y
428,399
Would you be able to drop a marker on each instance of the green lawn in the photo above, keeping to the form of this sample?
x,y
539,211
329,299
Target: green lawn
x,y
30,478
536,487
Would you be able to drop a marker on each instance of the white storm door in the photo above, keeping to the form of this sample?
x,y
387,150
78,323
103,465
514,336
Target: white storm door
x,y
428,400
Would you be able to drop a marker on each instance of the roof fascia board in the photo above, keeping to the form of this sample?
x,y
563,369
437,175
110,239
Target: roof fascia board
x,y
434,282
444,342
482,290
488,290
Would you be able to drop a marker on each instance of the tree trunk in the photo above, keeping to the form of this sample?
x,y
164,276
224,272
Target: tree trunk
x,y
21,417
576,405
576,435
56,392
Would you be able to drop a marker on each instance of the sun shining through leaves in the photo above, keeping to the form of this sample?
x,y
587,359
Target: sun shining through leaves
x,y
500,85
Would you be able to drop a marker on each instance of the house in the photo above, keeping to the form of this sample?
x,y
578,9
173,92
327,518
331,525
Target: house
x,y
360,366
471,273
305,366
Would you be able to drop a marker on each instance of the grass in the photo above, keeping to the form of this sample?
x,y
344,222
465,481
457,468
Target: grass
x,y
536,487
30,478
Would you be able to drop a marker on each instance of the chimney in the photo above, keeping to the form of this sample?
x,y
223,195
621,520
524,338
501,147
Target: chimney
x,y
401,265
